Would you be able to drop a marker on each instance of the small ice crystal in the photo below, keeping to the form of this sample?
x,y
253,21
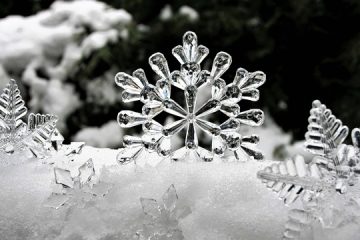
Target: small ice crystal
x,y
163,218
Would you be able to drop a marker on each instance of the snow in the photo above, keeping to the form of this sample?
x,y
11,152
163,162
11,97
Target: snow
x,y
57,105
189,12
110,134
102,90
166,13
222,203
98,40
227,201
54,41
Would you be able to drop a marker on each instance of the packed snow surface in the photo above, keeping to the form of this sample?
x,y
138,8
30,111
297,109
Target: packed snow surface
x,y
226,199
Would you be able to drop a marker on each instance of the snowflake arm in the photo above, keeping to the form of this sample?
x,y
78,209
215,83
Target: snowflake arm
x,y
325,132
298,221
293,178
41,127
334,168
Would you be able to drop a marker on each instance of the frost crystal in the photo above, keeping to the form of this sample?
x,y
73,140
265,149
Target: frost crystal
x,y
76,190
37,135
333,170
157,99
163,219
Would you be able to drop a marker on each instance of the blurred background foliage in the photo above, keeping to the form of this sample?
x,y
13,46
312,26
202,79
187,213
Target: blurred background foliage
x,y
309,49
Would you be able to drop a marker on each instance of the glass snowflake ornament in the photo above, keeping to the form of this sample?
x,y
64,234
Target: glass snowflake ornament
x,y
162,219
328,185
156,98
38,135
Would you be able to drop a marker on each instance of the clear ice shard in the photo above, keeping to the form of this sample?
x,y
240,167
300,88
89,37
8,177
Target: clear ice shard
x,y
63,177
74,148
162,217
86,172
75,186
39,134
127,155
326,183
225,98
150,207
170,198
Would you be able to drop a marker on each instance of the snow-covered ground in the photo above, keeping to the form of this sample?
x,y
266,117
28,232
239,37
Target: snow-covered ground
x,y
227,201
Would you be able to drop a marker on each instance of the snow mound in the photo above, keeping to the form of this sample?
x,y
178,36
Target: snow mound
x,y
227,201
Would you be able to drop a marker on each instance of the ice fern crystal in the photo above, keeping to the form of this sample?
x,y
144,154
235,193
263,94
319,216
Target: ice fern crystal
x,y
293,178
325,132
41,127
325,138
12,107
36,135
332,172
190,79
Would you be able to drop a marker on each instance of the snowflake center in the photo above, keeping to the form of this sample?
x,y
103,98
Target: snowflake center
x,y
191,117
